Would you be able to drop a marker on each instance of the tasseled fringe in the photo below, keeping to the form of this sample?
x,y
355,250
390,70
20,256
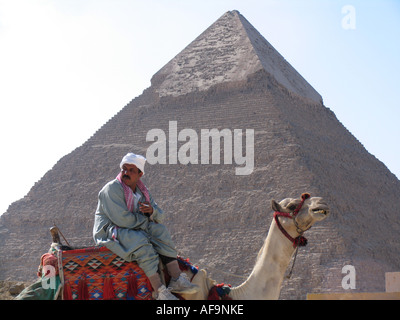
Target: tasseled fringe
x,y
213,294
219,292
67,293
132,290
83,293
185,264
108,289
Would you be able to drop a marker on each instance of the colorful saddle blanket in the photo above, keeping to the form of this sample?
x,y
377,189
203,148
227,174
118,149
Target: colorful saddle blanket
x,y
98,274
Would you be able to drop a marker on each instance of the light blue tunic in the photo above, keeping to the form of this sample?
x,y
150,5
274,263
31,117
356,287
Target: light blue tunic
x,y
139,239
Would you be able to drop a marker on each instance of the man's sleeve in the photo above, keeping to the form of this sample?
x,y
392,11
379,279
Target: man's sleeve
x,y
114,207
158,213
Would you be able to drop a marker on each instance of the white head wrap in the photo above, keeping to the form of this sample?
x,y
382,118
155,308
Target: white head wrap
x,y
135,159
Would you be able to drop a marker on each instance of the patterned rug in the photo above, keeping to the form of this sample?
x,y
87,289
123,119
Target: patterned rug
x,y
98,274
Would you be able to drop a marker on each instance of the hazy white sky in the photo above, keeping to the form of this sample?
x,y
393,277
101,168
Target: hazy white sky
x,y
67,66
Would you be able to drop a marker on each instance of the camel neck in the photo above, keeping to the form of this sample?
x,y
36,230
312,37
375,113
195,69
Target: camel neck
x,y
267,275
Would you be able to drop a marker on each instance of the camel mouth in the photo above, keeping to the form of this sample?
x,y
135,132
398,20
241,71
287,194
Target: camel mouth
x,y
320,211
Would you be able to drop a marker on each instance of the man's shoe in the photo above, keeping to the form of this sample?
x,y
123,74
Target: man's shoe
x,y
183,285
164,294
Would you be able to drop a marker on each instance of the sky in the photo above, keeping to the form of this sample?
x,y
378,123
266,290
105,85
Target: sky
x,y
68,66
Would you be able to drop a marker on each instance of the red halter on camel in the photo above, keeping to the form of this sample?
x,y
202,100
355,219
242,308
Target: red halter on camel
x,y
300,240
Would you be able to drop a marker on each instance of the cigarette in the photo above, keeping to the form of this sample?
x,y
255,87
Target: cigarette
x,y
146,205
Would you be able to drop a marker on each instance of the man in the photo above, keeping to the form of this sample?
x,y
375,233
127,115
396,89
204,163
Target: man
x,y
127,222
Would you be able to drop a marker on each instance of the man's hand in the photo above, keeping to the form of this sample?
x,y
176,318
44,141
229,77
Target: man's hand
x,y
146,208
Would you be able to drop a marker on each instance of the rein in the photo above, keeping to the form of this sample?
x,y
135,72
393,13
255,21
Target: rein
x,y
299,241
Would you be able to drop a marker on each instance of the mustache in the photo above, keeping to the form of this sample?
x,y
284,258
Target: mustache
x,y
126,176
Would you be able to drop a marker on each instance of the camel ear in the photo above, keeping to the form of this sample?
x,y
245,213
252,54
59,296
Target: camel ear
x,y
275,206
305,196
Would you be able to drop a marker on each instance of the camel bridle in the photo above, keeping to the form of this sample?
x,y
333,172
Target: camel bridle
x,y
299,240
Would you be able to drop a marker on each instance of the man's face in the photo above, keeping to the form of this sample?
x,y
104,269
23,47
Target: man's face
x,y
130,174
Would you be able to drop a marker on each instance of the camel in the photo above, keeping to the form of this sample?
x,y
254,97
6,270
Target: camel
x,y
293,216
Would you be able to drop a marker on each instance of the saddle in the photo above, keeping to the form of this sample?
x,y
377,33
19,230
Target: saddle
x,y
96,273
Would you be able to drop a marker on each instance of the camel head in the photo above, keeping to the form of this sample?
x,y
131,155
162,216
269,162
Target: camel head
x,y
303,212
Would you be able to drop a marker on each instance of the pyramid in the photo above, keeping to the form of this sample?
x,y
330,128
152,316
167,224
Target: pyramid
x,y
230,78
229,50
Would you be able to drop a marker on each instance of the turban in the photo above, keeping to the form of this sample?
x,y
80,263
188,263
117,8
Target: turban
x,y
134,159
139,162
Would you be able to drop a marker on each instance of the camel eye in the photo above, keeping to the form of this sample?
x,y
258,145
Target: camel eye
x,y
292,207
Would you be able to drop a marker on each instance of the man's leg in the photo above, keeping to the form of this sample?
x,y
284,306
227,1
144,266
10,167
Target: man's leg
x,y
172,266
165,247
135,245
161,240
155,281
